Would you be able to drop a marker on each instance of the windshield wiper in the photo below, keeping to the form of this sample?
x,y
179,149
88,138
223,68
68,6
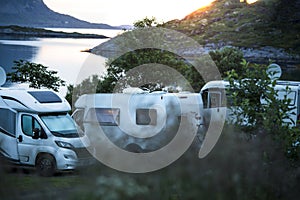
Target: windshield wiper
x,y
66,135
58,134
72,135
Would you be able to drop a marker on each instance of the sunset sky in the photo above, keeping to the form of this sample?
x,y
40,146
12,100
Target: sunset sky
x,y
120,12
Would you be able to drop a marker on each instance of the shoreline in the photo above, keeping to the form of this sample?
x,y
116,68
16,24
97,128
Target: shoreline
x,y
28,32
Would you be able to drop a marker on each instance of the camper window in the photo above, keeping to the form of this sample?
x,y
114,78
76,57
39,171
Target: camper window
x,y
7,121
103,116
214,98
78,118
205,98
289,95
29,125
146,116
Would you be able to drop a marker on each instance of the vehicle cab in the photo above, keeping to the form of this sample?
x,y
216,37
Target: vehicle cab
x,y
36,130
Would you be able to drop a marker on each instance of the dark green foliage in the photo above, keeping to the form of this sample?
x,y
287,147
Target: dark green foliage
x,y
37,75
228,58
257,110
87,86
151,58
146,22
246,89
120,76
123,72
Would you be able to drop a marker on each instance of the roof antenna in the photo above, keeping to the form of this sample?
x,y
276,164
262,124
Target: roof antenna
x,y
274,71
2,76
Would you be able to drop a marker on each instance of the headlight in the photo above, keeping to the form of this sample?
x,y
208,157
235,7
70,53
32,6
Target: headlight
x,y
64,145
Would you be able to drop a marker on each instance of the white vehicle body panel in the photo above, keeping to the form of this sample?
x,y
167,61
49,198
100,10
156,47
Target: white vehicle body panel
x,y
219,87
149,120
21,112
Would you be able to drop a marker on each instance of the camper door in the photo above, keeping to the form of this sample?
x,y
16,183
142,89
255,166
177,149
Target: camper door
x,y
214,102
8,141
29,137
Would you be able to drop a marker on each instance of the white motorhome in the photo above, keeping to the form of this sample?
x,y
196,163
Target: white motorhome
x,y
214,99
137,121
37,131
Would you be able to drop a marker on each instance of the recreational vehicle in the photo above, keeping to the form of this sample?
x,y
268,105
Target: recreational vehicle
x,y
136,121
215,101
37,131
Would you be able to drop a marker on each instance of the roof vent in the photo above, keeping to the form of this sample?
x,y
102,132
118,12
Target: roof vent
x,y
45,96
134,90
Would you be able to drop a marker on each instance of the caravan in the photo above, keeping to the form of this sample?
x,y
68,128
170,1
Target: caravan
x,y
136,120
37,131
216,105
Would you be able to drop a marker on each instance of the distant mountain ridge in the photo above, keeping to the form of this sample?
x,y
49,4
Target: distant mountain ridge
x,y
264,23
35,13
267,29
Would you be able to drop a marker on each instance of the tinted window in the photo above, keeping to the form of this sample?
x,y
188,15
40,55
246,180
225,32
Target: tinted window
x,y
205,98
214,100
289,95
78,118
45,96
146,117
29,123
7,121
104,116
61,125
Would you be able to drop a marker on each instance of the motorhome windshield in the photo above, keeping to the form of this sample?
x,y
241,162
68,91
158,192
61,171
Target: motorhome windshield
x,y
60,125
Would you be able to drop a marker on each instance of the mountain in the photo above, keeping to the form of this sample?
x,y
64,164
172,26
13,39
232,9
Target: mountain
x,y
35,13
268,27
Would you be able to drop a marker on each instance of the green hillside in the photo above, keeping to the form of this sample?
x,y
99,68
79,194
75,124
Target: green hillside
x,y
274,23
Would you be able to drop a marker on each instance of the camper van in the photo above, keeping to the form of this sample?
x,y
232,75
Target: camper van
x,y
215,102
37,131
136,121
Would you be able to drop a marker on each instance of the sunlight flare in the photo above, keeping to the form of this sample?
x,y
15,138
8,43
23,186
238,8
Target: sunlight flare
x,y
249,1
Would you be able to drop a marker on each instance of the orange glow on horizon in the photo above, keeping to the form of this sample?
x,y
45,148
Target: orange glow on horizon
x,y
118,12
249,1
205,3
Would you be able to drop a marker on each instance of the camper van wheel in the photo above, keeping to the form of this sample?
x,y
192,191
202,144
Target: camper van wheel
x,y
45,165
134,148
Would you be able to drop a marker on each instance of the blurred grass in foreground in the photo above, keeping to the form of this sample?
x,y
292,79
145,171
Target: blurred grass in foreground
x,y
239,167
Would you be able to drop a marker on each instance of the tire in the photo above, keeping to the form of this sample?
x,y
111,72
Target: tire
x,y
46,165
134,148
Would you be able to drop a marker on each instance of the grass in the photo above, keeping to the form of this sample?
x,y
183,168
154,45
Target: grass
x,y
239,167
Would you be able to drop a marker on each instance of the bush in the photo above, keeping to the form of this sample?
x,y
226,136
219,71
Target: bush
x,y
37,75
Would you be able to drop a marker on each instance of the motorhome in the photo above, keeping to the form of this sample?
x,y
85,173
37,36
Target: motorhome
x,y
37,131
137,121
215,100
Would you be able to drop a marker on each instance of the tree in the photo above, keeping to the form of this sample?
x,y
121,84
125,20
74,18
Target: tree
x,y
146,22
228,58
87,86
37,75
247,91
225,59
118,70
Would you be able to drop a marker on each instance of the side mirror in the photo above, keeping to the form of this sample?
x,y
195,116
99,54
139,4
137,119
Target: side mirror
x,y
36,133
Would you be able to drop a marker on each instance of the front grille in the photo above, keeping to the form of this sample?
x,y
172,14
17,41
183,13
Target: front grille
x,y
82,153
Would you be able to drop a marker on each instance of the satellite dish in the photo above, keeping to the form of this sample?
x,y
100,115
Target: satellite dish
x,y
274,71
2,76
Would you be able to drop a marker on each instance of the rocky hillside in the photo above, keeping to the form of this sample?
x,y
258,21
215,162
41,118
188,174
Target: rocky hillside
x,y
268,29
35,13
